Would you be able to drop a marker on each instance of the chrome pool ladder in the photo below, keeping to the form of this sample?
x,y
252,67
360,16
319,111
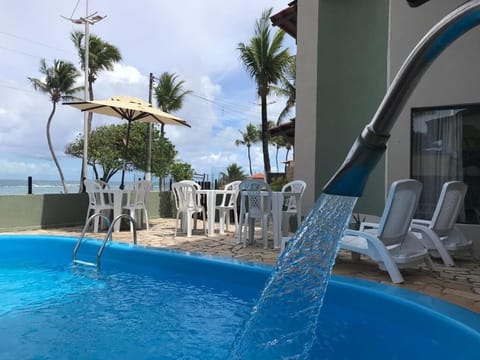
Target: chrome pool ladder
x,y
105,240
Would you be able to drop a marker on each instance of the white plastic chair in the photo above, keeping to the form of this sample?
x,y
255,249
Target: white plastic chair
x,y
229,204
137,194
199,197
98,202
256,200
191,182
440,235
292,205
390,243
103,184
186,202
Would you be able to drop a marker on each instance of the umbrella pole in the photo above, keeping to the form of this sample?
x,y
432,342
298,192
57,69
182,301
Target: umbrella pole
x,y
122,184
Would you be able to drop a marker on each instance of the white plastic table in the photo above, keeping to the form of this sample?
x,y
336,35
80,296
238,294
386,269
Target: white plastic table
x,y
211,202
277,206
117,203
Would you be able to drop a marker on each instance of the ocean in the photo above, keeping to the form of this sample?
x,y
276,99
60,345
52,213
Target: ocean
x,y
20,187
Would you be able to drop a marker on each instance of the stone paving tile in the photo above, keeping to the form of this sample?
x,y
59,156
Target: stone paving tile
x,y
464,294
459,284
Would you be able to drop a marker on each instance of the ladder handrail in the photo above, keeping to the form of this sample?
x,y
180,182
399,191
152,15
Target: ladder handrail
x,y
84,231
109,235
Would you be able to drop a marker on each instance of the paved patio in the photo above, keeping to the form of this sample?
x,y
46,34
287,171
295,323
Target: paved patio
x,y
459,284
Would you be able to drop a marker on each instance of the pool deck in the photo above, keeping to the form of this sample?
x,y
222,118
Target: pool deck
x,y
459,285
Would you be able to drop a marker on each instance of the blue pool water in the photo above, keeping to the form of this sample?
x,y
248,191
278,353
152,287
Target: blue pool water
x,y
154,304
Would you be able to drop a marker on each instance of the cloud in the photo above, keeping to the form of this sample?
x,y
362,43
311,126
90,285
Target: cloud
x,y
123,74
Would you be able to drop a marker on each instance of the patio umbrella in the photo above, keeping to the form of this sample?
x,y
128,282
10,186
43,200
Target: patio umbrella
x,y
130,109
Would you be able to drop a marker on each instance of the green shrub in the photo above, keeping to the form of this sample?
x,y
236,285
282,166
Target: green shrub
x,y
278,182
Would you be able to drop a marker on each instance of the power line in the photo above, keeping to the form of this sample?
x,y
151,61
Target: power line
x,y
246,112
17,89
23,53
224,102
34,42
221,106
227,115
75,8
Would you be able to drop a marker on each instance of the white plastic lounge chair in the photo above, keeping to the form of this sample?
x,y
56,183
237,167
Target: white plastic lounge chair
x,y
440,235
255,203
186,202
391,244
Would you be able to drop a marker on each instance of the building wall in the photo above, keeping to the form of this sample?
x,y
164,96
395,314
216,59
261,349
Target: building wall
x,y
306,98
453,78
348,53
341,79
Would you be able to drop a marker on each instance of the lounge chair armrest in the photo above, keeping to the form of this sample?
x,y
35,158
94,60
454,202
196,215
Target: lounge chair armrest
x,y
362,234
353,232
366,224
421,222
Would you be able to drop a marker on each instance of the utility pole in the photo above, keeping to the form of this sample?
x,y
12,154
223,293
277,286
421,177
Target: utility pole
x,y
148,157
85,114
87,20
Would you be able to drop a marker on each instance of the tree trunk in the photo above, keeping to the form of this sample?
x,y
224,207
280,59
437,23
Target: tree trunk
x,y
89,127
276,158
95,171
90,115
266,157
286,158
50,147
249,160
148,143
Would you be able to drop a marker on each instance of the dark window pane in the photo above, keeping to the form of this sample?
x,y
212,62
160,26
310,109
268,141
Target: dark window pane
x,y
446,146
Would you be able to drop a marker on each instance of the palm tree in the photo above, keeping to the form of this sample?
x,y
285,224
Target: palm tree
x,y
249,137
101,56
276,141
279,142
288,146
170,94
58,84
265,61
233,173
287,88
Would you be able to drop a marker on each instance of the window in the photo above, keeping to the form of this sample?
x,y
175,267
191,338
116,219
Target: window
x,y
446,146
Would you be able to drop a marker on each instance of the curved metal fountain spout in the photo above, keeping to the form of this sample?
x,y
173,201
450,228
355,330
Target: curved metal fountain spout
x,y
351,177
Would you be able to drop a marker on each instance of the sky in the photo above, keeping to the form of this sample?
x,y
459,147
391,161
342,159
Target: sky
x,y
197,40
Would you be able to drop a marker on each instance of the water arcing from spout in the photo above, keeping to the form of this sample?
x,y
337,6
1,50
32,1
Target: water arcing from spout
x,y
283,323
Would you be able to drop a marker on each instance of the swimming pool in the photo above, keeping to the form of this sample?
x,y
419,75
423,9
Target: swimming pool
x,y
157,304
